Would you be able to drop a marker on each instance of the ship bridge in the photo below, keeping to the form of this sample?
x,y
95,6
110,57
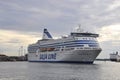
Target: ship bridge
x,y
75,34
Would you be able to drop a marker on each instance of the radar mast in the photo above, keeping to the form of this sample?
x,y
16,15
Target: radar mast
x,y
79,29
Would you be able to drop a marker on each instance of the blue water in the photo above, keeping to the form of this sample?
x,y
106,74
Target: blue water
x,y
58,71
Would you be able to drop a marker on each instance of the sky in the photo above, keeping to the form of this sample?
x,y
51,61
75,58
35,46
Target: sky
x,y
22,22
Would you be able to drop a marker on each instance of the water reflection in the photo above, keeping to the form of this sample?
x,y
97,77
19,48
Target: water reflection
x,y
52,71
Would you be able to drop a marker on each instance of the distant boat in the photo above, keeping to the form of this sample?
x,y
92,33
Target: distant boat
x,y
115,57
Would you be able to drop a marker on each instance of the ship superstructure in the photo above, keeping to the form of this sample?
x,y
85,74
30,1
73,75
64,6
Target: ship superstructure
x,y
78,47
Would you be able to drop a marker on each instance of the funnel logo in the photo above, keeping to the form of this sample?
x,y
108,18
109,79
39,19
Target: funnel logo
x,y
46,34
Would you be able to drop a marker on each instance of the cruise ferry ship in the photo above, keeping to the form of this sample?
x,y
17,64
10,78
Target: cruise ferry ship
x,y
77,47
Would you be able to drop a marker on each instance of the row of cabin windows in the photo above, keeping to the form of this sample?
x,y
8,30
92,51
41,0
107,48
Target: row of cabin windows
x,y
62,48
55,49
71,44
85,38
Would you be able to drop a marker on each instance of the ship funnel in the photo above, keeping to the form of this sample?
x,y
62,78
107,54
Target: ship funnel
x,y
46,34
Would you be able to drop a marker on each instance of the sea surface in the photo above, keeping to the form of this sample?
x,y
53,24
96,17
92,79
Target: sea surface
x,y
100,70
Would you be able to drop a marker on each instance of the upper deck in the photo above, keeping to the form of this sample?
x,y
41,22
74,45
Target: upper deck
x,y
84,34
75,40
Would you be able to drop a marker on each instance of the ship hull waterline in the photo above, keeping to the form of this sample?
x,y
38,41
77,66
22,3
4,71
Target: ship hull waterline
x,y
75,56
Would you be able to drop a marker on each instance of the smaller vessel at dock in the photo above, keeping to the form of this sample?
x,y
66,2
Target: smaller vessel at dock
x,y
115,57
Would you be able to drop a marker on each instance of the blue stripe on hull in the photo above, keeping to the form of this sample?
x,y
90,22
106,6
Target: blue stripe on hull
x,y
83,62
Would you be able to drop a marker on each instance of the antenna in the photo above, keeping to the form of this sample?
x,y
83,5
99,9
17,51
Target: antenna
x,y
79,25
20,51
79,29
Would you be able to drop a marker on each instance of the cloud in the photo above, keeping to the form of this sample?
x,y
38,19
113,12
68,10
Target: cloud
x,y
55,15
25,19
110,33
20,37
12,40
114,5
109,39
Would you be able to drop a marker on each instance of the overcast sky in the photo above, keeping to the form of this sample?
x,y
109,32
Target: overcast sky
x,y
22,21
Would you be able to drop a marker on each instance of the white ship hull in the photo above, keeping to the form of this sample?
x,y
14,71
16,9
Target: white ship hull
x,y
74,56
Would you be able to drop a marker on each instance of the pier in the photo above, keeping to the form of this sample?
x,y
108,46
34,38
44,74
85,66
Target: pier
x,y
13,58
